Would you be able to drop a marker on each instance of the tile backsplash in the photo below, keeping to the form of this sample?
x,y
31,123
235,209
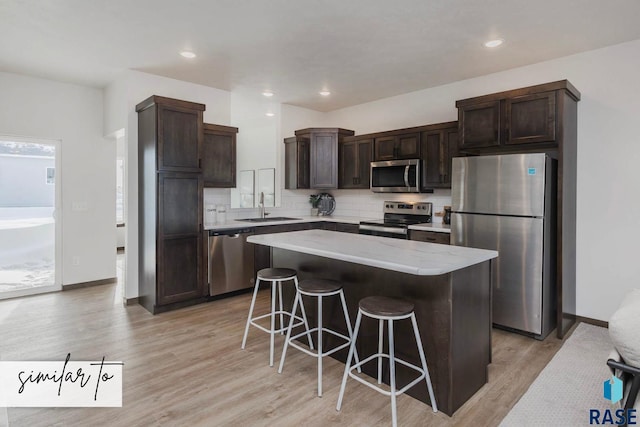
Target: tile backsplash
x,y
357,203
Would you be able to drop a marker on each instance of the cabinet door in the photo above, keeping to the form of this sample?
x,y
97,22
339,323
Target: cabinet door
x,y
347,228
219,159
480,125
364,163
348,165
451,144
408,146
180,265
384,148
180,269
296,163
531,118
430,237
179,139
433,153
324,167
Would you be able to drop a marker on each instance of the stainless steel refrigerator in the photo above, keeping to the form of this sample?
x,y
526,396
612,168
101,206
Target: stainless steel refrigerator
x,y
508,203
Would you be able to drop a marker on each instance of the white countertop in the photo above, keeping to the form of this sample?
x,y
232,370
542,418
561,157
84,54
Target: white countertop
x,y
405,256
232,223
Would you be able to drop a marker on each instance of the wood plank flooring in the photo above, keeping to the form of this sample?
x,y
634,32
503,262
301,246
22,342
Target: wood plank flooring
x,y
186,368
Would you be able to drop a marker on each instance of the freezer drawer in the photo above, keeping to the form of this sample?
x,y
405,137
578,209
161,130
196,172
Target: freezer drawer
x,y
512,184
517,273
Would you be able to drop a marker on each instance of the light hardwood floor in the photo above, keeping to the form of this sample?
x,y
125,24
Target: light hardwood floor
x,y
186,368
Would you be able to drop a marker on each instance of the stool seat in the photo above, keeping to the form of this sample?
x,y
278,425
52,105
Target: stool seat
x,y
319,286
384,306
276,273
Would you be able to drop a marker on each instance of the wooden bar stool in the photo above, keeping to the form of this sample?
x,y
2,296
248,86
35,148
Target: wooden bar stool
x,y
389,309
318,288
275,276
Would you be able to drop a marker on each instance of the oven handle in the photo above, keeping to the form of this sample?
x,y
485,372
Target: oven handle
x,y
406,176
393,230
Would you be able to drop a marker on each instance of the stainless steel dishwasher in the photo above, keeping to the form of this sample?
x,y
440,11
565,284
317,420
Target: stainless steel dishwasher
x,y
231,260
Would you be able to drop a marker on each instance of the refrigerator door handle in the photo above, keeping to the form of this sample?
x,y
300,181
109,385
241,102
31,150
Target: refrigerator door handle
x,y
406,175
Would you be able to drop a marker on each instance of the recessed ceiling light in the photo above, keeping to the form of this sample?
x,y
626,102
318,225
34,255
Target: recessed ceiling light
x,y
493,43
267,93
325,93
269,114
188,54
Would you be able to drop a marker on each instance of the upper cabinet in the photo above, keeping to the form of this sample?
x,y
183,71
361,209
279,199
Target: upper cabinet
x,y
177,131
219,156
296,165
323,155
439,144
354,162
516,120
392,147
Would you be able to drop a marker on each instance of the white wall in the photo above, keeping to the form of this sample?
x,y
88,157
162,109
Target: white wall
x,y
73,114
608,155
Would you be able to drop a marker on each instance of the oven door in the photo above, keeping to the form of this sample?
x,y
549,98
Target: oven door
x,y
395,176
382,231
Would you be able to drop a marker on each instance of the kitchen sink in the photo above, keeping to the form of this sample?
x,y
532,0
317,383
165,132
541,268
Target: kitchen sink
x,y
268,219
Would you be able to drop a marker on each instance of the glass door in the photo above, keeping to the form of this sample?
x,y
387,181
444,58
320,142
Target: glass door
x,y
29,218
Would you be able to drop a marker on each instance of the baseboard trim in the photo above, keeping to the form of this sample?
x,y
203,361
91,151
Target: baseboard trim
x,y
591,321
130,301
72,286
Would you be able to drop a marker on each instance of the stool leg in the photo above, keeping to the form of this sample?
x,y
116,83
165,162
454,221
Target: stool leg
x,y
273,322
434,406
352,348
348,322
281,315
392,375
253,303
380,346
288,337
304,315
319,345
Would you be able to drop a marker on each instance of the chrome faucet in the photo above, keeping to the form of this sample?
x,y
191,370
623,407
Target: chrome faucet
x,y
261,206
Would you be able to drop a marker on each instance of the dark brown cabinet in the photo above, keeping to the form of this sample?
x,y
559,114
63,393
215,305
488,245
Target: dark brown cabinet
x,y
392,147
531,118
219,156
171,238
354,160
430,236
296,165
323,156
438,146
521,119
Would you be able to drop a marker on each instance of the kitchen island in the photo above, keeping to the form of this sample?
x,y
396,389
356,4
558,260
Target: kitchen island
x,y
449,285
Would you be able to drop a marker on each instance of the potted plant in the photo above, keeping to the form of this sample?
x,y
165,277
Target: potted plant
x,y
314,199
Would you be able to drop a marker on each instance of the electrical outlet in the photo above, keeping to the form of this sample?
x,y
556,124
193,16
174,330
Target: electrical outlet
x,y
75,260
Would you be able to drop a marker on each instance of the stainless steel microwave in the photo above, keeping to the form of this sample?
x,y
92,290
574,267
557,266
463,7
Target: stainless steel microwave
x,y
396,176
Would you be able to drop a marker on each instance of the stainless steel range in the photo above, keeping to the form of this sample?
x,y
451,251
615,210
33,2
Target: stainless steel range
x,y
398,216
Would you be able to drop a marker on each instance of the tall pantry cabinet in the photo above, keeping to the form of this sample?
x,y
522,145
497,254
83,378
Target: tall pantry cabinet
x,y
171,255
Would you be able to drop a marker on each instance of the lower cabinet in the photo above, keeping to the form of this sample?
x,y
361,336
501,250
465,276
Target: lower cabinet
x,y
262,254
430,236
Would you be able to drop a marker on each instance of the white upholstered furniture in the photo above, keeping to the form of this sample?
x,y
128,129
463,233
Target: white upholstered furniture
x,y
624,330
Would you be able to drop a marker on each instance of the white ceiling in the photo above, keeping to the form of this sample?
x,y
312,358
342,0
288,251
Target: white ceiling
x,y
361,50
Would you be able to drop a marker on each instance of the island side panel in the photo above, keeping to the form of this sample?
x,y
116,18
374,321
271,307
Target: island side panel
x,y
432,296
471,330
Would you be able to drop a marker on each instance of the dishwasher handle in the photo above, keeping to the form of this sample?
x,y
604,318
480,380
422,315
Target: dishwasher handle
x,y
233,233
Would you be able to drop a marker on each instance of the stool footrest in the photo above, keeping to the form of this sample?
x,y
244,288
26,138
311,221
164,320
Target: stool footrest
x,y
315,354
283,327
378,388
